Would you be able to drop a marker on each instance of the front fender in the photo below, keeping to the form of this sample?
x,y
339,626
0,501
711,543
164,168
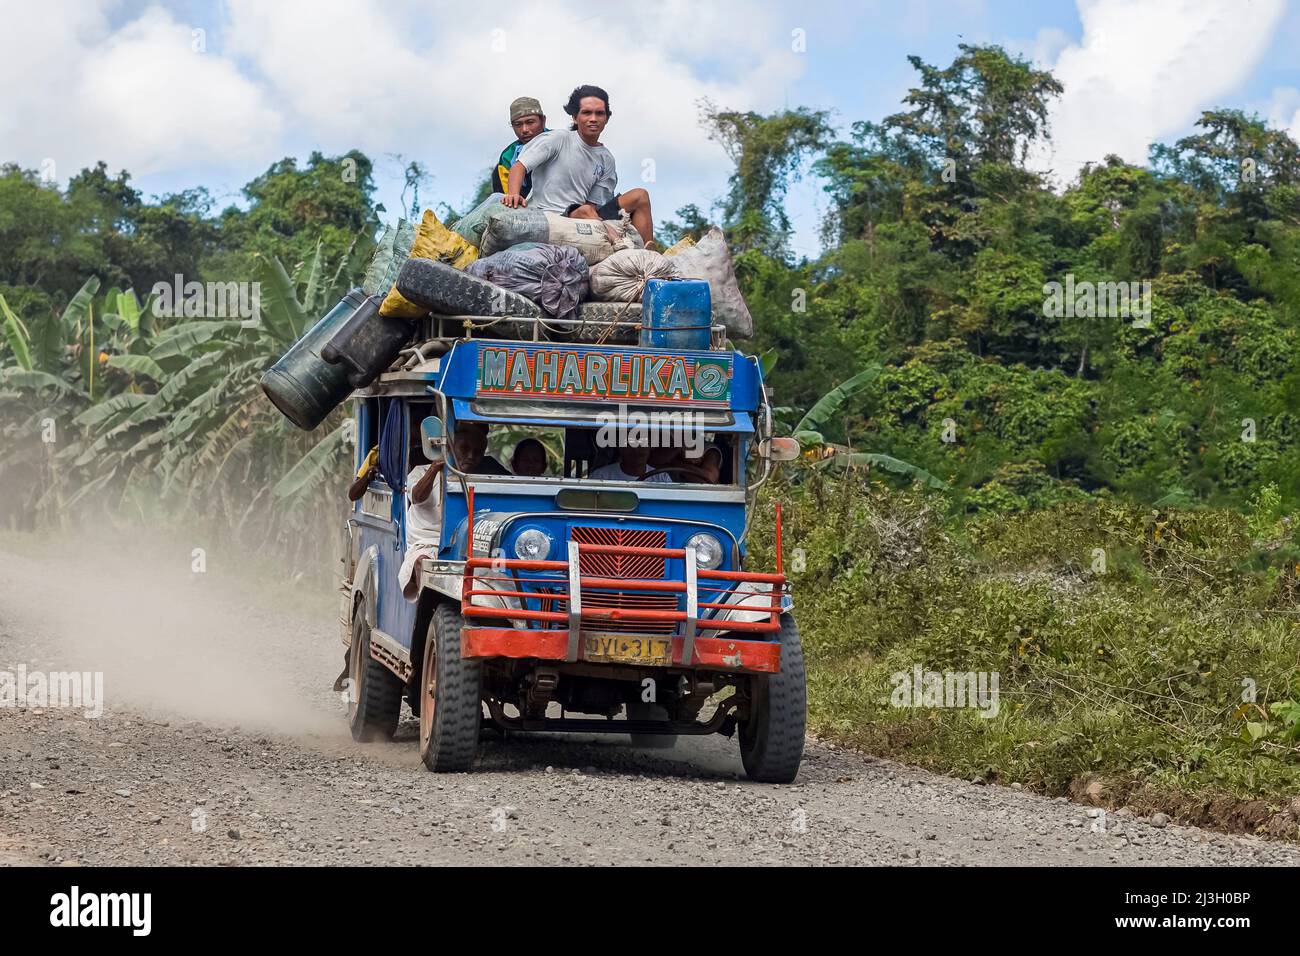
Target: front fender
x,y
364,584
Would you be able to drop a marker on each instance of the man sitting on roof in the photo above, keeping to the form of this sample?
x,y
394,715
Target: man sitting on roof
x,y
573,172
527,120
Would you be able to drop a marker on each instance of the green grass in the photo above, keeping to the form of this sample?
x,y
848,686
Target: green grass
x,y
1124,640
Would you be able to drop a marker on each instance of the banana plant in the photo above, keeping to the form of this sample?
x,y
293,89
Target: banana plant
x,y
843,459
808,431
836,457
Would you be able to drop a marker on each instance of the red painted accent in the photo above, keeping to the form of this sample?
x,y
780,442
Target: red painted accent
x,y
715,653
624,561
629,605
778,537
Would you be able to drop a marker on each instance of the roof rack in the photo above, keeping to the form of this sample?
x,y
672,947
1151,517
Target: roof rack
x,y
544,328
438,333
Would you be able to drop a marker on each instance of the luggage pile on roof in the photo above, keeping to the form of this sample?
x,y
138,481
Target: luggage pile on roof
x,y
557,253
498,261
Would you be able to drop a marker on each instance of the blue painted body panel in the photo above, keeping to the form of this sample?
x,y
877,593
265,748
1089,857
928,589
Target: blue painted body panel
x,y
457,379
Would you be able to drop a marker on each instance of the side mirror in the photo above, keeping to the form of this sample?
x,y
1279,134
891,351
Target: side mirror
x,y
433,439
783,449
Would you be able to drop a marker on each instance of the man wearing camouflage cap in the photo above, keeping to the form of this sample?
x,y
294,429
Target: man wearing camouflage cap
x,y
527,119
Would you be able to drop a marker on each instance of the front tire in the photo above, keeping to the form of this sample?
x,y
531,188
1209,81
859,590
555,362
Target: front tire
x,y
772,738
450,697
375,692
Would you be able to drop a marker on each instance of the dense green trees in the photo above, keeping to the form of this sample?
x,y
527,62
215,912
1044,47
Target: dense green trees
x,y
942,248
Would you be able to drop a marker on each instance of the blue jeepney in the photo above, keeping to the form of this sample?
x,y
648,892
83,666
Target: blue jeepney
x,y
627,603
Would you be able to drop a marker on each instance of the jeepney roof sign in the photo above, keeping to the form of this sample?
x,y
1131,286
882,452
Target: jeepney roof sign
x,y
603,374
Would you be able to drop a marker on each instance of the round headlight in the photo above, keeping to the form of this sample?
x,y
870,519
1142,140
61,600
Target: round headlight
x,y
707,548
533,544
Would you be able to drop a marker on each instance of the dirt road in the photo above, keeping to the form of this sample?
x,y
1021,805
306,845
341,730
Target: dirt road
x,y
221,742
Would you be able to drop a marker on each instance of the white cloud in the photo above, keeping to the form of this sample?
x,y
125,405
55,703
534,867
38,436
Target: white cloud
x,y
1283,110
1145,71
100,79
138,97
435,85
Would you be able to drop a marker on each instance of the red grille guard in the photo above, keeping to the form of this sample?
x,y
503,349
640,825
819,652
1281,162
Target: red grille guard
x,y
556,634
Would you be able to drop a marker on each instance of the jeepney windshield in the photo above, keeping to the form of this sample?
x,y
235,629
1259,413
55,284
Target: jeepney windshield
x,y
608,453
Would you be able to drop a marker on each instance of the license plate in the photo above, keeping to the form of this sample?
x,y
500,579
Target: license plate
x,y
625,649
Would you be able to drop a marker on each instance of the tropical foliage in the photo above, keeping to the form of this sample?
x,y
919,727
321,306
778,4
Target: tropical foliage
x,y
920,344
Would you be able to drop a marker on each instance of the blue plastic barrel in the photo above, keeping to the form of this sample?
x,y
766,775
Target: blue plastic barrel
x,y
676,314
304,386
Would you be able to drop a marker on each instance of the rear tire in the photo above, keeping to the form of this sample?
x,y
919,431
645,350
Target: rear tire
x,y
375,695
639,710
772,738
450,697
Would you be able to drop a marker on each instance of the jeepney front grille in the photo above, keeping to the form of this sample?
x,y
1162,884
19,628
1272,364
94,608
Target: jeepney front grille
x,y
622,565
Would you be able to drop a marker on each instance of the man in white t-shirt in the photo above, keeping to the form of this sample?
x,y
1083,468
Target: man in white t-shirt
x,y
423,524
424,501
573,173
632,463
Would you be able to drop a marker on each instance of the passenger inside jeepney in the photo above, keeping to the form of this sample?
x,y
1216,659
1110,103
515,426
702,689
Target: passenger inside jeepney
x,y
423,524
529,459
708,466
424,502
632,465
666,456
367,473
469,450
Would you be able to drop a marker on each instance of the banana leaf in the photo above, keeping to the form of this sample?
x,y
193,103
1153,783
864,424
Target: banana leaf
x,y
826,406
138,365
319,463
888,463
47,343
280,310
189,339
308,275
35,380
16,335
78,309
102,411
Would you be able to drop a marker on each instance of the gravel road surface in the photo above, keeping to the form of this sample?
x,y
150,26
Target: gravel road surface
x,y
222,743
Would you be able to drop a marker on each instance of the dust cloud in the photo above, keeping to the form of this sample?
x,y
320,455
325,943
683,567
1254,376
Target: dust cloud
x,y
210,635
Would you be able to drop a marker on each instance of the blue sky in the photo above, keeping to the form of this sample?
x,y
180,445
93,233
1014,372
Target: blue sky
x,y
210,92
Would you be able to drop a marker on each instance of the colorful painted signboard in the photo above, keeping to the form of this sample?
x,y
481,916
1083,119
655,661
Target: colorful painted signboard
x,y
565,373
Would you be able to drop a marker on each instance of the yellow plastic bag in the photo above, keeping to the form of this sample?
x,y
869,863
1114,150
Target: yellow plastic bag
x,y
681,245
434,241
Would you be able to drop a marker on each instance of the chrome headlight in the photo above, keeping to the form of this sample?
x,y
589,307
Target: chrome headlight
x,y
533,544
707,548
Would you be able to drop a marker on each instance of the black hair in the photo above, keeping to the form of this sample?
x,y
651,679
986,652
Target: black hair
x,y
528,443
582,92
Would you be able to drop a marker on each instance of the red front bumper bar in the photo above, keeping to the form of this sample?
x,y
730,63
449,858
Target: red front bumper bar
x,y
504,579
